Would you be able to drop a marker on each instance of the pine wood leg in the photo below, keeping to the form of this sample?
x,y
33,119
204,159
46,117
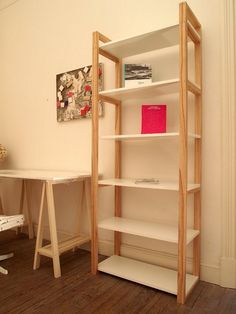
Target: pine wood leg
x,y
28,210
196,242
53,230
87,192
80,209
1,207
39,239
22,197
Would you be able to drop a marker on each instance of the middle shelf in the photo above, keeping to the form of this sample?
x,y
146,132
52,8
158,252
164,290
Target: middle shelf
x,y
148,90
162,185
151,230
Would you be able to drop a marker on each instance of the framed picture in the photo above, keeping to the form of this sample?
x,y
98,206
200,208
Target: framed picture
x,y
137,74
74,94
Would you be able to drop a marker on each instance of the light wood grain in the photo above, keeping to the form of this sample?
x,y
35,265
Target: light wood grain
x,y
108,55
193,88
28,194
87,189
1,207
64,246
39,239
25,200
183,168
193,34
103,38
94,183
22,199
197,160
53,230
192,18
109,99
117,235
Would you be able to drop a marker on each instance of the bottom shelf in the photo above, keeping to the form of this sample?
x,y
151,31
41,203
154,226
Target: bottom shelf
x,y
146,274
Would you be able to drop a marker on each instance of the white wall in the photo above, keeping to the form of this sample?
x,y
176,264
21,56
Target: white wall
x,y
42,38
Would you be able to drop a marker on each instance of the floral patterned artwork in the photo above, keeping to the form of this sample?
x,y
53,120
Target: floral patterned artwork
x,y
3,152
74,94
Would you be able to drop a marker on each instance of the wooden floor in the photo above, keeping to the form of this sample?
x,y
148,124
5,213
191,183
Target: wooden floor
x,y
24,290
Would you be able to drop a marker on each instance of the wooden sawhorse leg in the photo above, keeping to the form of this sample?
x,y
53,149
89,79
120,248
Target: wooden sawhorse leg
x,y
53,229
87,189
25,195
85,202
1,208
39,239
53,252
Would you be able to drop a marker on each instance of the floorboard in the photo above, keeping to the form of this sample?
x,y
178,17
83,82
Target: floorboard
x,y
27,291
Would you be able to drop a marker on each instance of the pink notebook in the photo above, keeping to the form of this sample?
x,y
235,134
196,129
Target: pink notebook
x,y
153,118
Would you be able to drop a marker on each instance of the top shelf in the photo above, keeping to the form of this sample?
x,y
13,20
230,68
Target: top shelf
x,y
159,39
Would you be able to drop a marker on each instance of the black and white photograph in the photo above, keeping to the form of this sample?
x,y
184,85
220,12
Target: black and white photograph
x,y
137,74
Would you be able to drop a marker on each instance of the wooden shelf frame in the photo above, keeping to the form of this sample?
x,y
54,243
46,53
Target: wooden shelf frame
x,y
189,28
97,37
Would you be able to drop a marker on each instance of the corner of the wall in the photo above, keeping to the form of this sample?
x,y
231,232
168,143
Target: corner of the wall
x,y
228,272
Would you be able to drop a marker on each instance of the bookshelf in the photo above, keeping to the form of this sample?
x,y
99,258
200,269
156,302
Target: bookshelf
x,y
175,281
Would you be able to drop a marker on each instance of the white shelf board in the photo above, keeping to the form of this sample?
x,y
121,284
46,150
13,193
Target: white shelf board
x,y
158,39
148,90
150,230
170,186
146,274
145,136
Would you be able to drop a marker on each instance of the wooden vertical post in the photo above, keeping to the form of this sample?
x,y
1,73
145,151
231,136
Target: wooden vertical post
x,y
39,239
81,207
94,183
27,190
53,229
197,160
183,151
1,205
117,235
87,189
22,198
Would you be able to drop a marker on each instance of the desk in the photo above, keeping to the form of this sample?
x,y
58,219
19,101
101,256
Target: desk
x,y
48,179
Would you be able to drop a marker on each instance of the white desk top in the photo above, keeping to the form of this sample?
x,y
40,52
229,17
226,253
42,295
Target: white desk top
x,y
46,175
